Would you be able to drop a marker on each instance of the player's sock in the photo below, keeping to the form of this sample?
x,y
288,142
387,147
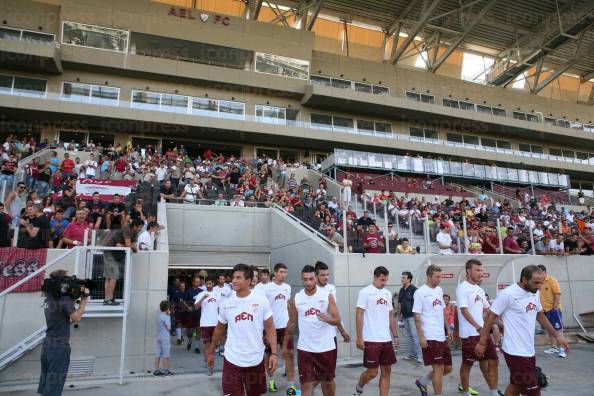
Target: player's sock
x,y
178,333
493,392
425,381
359,389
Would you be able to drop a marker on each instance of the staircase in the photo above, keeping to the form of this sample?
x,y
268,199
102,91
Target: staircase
x,y
26,345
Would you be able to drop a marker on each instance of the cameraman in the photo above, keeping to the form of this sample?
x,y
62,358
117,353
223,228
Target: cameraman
x,y
55,354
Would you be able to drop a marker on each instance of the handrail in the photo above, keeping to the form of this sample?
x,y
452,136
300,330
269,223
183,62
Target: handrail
x,y
477,190
307,227
34,155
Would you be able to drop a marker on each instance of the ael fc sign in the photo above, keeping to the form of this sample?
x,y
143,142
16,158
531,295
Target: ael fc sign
x,y
186,13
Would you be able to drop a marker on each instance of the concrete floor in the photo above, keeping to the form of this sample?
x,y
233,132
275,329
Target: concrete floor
x,y
571,376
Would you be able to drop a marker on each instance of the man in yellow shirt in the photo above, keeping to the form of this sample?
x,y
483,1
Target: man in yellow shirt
x,y
550,298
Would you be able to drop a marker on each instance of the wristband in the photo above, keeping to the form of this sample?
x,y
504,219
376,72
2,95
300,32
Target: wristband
x,y
275,354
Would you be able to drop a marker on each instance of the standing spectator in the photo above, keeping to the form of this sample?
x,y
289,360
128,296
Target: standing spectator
x,y
7,171
167,191
32,173
191,192
146,239
90,167
15,203
5,221
44,179
550,299
54,162
365,221
120,167
406,316
35,229
193,316
444,240
114,259
116,213
67,166
161,173
372,241
347,185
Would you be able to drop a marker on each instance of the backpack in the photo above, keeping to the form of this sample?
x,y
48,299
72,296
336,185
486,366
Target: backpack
x,y
541,378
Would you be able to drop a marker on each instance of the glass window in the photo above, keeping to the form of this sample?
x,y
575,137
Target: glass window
x,y
365,127
204,107
503,144
474,140
555,151
519,115
343,84
271,114
320,80
10,33
454,137
488,142
383,129
146,100
524,147
550,121
467,106
581,156
94,36
499,112
532,117
26,86
564,123
576,125
343,124
77,92
37,36
568,153
104,95
536,149
361,87
235,110
431,134
413,96
484,109
427,98
379,90
451,103
416,132
174,103
5,83
321,121
588,128
282,66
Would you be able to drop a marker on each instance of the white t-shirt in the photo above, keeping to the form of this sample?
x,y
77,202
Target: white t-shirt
x,y
261,287
209,309
444,239
314,335
377,304
330,288
223,292
278,296
472,297
191,192
90,167
145,241
429,303
244,317
161,173
518,309
557,247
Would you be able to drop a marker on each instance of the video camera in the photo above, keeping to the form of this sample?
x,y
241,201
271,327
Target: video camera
x,y
60,286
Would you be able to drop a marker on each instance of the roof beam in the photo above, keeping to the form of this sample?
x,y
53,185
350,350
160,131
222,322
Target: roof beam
x,y
395,26
254,7
563,68
312,19
475,21
555,31
415,30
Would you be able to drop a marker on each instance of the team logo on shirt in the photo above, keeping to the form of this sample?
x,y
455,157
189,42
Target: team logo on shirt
x,y
478,298
255,308
530,307
312,312
382,301
244,316
437,301
211,299
280,297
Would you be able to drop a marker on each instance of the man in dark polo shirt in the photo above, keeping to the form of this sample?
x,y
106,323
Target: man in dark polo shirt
x,y
406,316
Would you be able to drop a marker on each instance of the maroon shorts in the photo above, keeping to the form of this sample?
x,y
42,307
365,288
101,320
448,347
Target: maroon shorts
x,y
437,352
280,338
314,367
243,381
206,333
192,320
522,374
468,355
378,353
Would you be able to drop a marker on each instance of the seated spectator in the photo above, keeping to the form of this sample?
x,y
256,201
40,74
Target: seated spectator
x,y
57,226
5,221
510,245
405,248
542,246
476,245
220,201
335,237
556,246
74,234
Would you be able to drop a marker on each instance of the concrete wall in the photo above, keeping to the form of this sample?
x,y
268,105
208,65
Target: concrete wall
x,y
99,339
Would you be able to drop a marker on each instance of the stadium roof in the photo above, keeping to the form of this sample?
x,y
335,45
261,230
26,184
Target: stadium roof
x,y
522,35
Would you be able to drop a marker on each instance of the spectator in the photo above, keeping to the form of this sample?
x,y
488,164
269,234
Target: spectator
x,y
7,171
372,241
167,191
67,166
191,192
557,247
32,170
74,234
146,239
365,221
116,213
163,340
57,226
406,317
90,167
405,248
444,240
15,203
335,237
550,299
510,245
34,232
5,222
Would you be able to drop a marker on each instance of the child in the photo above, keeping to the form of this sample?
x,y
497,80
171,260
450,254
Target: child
x,y
163,340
